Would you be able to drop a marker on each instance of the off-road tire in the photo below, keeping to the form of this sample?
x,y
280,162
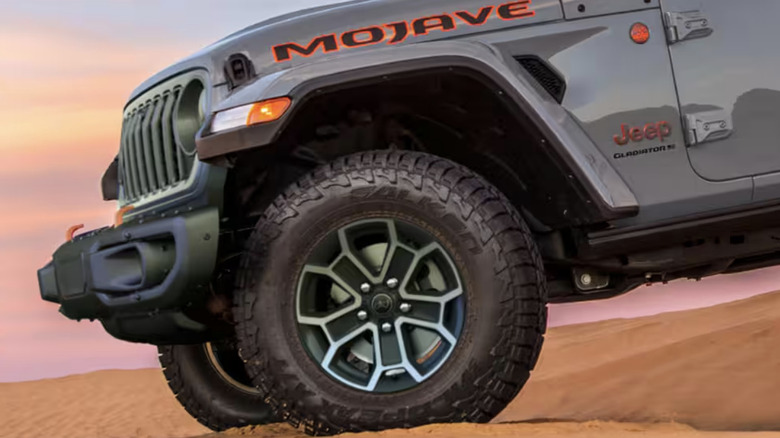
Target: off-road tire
x,y
489,241
205,394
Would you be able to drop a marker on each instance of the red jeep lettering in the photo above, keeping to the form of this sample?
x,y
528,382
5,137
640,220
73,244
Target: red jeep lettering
x,y
651,131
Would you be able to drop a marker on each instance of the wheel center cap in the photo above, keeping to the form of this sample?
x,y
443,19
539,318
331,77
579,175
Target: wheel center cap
x,y
382,303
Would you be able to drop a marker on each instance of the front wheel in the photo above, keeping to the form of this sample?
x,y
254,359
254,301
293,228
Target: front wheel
x,y
390,289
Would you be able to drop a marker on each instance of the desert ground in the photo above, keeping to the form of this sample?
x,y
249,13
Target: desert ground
x,y
710,372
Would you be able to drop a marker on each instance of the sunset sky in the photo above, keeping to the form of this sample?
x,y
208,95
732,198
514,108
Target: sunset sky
x,y
66,69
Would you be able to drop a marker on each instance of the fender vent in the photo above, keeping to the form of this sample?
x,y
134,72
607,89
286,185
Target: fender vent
x,y
545,75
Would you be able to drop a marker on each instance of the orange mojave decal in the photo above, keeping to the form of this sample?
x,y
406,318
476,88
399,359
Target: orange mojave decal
x,y
396,32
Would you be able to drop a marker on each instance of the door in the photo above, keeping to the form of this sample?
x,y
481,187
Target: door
x,y
726,61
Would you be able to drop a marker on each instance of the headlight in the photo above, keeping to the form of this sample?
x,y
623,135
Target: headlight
x,y
252,114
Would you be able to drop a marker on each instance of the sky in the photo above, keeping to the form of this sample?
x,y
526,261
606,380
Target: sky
x,y
66,70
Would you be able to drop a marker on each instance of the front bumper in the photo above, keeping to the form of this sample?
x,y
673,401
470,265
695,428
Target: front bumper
x,y
136,278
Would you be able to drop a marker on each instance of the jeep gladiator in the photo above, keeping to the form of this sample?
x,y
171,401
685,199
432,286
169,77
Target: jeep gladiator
x,y
353,217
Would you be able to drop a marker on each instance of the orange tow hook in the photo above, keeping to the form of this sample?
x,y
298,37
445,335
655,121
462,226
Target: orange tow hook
x,y
71,231
120,215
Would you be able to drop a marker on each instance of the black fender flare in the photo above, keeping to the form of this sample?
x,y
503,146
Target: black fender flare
x,y
576,154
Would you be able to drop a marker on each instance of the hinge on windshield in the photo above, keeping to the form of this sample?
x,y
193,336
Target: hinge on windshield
x,y
688,25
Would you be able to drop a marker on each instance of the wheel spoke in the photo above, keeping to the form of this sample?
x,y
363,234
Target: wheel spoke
x,y
391,354
400,262
437,327
335,346
407,364
339,322
390,346
349,271
392,245
343,327
333,275
425,311
419,256
336,325
347,250
439,299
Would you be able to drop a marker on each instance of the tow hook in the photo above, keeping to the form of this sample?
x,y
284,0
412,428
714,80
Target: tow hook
x,y
72,230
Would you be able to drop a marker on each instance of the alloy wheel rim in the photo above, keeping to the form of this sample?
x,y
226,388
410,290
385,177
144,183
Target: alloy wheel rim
x,y
380,305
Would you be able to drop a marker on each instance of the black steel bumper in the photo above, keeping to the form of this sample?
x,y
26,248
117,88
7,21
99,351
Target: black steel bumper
x,y
136,278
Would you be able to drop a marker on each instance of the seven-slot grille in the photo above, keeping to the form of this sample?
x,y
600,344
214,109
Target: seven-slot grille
x,y
150,158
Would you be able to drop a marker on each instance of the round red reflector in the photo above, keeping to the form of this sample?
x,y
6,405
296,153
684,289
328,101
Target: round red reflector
x,y
640,33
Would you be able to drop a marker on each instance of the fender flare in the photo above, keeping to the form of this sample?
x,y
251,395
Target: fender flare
x,y
607,192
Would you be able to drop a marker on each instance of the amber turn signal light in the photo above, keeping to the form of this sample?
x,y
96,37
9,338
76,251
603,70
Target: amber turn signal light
x,y
268,111
640,33
250,114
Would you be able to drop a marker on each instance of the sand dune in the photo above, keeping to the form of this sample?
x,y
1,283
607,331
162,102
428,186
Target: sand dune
x,y
590,429
714,368
660,376
101,404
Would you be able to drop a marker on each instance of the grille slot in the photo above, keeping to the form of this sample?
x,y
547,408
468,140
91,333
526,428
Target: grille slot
x,y
545,75
151,157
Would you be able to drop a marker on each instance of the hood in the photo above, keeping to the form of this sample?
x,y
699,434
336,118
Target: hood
x,y
309,35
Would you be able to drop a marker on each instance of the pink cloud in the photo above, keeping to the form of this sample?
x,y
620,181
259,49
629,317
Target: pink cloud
x,y
62,87
36,341
63,91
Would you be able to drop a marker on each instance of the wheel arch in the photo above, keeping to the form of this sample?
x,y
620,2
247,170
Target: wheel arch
x,y
545,162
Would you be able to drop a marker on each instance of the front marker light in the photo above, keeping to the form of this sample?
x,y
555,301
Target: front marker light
x,y
252,114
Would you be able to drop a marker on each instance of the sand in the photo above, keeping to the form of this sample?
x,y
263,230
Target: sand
x,y
709,372
103,404
714,368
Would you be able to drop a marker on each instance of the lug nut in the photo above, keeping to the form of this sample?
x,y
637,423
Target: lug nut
x,y
392,283
365,288
362,315
405,307
386,327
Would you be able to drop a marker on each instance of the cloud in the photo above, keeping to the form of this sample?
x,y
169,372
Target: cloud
x,y
61,96
35,340
61,88
66,70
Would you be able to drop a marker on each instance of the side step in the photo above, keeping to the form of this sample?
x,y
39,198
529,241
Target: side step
x,y
606,243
